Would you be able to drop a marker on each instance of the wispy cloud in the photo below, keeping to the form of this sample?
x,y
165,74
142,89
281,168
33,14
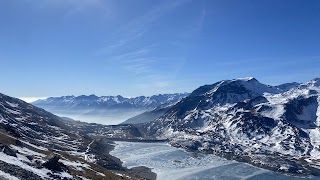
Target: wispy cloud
x,y
133,54
66,3
140,58
137,62
195,27
73,7
153,82
145,71
138,26
122,39
200,20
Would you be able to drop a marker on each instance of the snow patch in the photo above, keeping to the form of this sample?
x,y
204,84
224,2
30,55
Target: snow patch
x,y
7,176
15,161
64,175
276,112
309,113
246,78
76,165
14,105
16,112
318,113
100,174
27,151
34,146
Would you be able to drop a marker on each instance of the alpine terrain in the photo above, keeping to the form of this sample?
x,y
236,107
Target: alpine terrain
x,y
274,127
35,144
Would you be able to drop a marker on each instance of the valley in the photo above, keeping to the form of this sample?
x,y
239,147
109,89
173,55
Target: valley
x,y
159,90
220,127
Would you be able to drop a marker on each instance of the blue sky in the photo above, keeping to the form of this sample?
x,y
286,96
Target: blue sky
x,y
145,47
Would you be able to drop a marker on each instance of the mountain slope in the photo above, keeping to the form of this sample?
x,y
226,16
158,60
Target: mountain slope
x,y
149,116
268,126
105,109
36,144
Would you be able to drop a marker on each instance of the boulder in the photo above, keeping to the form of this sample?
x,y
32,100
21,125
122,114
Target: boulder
x,y
8,151
54,164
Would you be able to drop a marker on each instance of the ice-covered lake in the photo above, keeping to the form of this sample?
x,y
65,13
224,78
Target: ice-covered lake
x,y
175,164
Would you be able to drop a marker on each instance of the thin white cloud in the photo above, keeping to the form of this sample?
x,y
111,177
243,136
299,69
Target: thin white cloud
x,y
72,7
132,54
142,62
194,28
138,26
68,3
137,62
201,20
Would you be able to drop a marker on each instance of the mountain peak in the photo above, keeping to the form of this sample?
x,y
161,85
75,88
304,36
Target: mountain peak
x,y
314,82
253,85
247,79
317,80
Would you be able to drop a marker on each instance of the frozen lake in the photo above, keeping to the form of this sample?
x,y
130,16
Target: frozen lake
x,y
175,164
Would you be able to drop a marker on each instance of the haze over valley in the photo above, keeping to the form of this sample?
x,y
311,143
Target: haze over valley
x,y
105,109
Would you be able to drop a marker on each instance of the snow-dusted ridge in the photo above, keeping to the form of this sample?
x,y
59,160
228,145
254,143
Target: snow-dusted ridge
x,y
110,101
268,126
35,144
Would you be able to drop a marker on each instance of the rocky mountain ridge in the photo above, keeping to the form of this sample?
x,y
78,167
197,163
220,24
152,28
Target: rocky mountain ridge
x,y
110,101
275,127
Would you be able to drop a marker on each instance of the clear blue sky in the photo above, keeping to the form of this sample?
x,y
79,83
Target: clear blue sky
x,y
145,47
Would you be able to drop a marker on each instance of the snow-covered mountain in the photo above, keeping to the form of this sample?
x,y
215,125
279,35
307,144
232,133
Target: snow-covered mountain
x,y
110,102
35,144
105,109
275,127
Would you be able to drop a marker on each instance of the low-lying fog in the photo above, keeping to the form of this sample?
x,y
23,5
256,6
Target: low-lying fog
x,y
100,116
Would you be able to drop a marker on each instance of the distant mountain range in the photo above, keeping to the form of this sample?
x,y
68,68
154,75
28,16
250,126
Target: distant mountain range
x,y
275,127
105,109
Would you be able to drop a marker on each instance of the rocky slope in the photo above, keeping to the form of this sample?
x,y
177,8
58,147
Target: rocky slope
x,y
151,115
275,127
105,109
35,144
